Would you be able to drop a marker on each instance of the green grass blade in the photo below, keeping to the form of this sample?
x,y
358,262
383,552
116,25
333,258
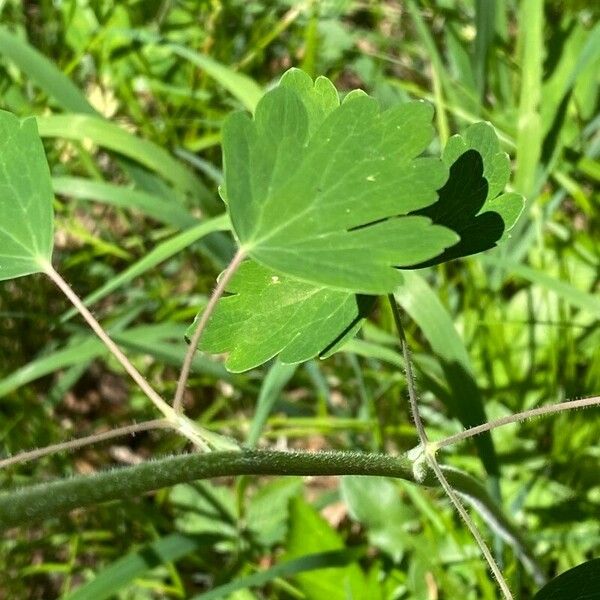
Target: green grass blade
x,y
242,87
590,55
162,341
437,71
122,572
165,343
82,350
112,137
529,130
374,351
273,383
485,23
569,293
44,73
311,562
162,252
464,400
151,205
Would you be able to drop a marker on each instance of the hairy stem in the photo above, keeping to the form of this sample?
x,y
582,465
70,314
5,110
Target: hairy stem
x,y
47,500
517,418
185,427
108,342
430,455
189,356
28,455
50,499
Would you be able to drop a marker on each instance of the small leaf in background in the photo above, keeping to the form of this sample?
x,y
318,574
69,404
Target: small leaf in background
x,y
580,583
204,508
267,513
472,202
269,314
375,502
317,190
309,533
26,214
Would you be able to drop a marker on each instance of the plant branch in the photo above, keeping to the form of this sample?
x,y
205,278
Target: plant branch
x,y
431,459
28,455
51,499
195,339
108,342
517,418
47,500
202,439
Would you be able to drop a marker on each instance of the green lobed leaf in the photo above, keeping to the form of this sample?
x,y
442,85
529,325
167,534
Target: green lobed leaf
x,y
26,213
275,317
579,583
321,190
376,503
269,314
472,202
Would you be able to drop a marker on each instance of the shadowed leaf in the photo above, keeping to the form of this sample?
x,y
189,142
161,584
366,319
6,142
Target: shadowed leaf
x,y
579,583
472,202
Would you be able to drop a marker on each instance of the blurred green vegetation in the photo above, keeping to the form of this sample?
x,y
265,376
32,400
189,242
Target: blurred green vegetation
x,y
521,322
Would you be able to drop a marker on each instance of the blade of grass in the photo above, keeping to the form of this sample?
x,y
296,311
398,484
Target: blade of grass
x,y
44,73
117,195
112,137
153,340
115,577
529,129
241,87
162,252
437,70
274,382
569,293
310,562
485,24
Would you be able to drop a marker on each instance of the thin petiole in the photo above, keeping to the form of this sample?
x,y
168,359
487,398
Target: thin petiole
x,y
517,418
65,288
429,452
195,339
200,438
28,455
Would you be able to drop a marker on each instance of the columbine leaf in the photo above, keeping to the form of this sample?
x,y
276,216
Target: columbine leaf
x,y
472,202
269,314
317,189
580,583
26,215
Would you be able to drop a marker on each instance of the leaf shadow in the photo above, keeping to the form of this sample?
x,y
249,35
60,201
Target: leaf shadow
x,y
458,206
364,305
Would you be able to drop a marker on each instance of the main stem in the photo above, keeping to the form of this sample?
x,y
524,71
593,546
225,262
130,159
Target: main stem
x,y
206,314
430,455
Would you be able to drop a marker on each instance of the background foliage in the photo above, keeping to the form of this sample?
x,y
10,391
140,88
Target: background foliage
x,y
130,106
